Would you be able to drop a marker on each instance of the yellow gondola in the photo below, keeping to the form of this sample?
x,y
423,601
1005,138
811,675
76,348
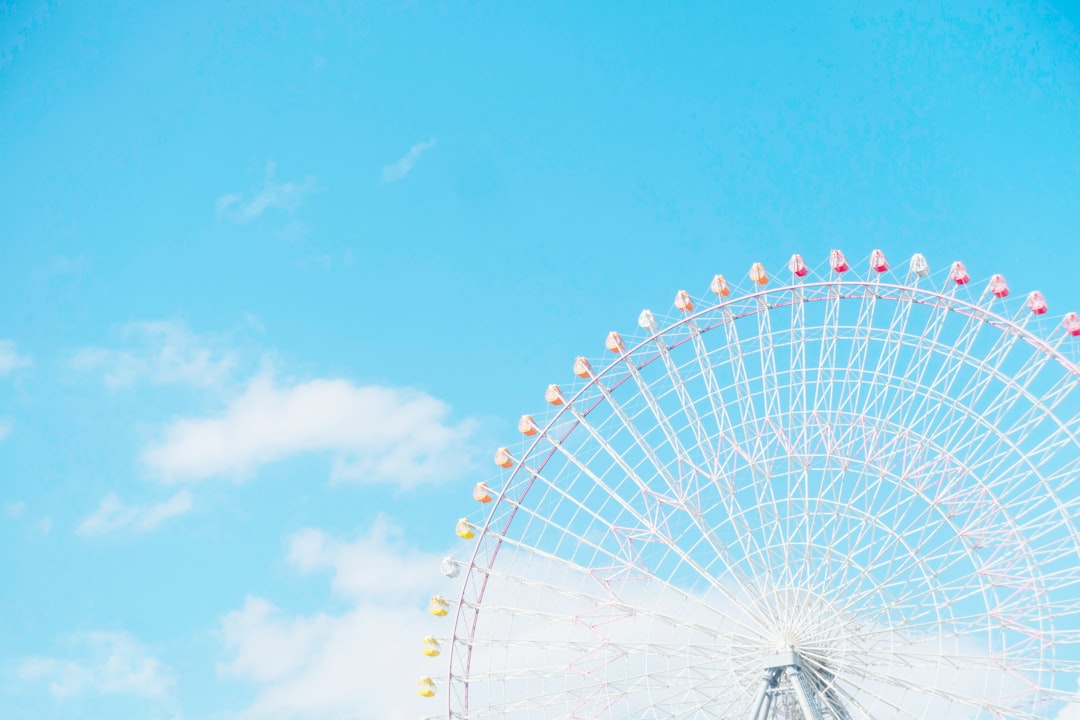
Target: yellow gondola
x,y
438,606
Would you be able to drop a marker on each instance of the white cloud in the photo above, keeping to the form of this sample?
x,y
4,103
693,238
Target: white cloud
x,y
398,170
1071,709
362,663
159,352
11,360
5,429
103,663
272,195
371,567
112,514
14,509
376,434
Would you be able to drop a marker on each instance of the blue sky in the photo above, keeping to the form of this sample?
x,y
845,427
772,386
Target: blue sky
x,y
277,278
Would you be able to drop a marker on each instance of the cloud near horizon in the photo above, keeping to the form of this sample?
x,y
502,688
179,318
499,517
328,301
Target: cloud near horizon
x,y
374,433
361,663
101,663
398,170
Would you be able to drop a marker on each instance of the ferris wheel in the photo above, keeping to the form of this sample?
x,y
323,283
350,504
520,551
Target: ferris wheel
x,y
849,494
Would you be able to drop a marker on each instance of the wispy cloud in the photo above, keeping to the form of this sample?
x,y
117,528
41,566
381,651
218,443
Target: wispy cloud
x,y
5,429
101,663
377,434
159,352
113,514
297,661
14,509
272,194
11,360
398,170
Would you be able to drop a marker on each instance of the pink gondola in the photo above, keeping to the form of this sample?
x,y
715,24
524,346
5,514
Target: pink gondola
x,y
838,261
998,287
959,273
1072,324
798,266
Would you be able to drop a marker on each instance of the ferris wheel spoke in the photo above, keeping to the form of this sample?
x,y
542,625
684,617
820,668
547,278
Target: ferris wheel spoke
x,y
563,622
669,649
994,662
797,400
612,607
773,428
1022,469
909,408
862,333
729,479
646,524
944,691
597,579
1007,516
1023,431
769,374
620,565
954,358
909,591
886,572
723,478
826,364
988,458
590,667
857,535
712,393
885,366
723,552
589,695
674,486
903,599
1016,387
764,498
689,407
662,419
987,369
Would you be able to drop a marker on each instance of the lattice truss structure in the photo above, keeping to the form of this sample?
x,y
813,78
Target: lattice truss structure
x,y
850,495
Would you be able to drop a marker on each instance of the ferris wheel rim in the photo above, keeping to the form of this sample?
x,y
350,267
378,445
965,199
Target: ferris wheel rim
x,y
830,289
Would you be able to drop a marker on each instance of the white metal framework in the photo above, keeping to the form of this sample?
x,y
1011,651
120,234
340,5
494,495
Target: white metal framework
x,y
849,495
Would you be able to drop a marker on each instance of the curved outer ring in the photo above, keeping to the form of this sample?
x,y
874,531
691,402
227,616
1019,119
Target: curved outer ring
x,y
904,293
